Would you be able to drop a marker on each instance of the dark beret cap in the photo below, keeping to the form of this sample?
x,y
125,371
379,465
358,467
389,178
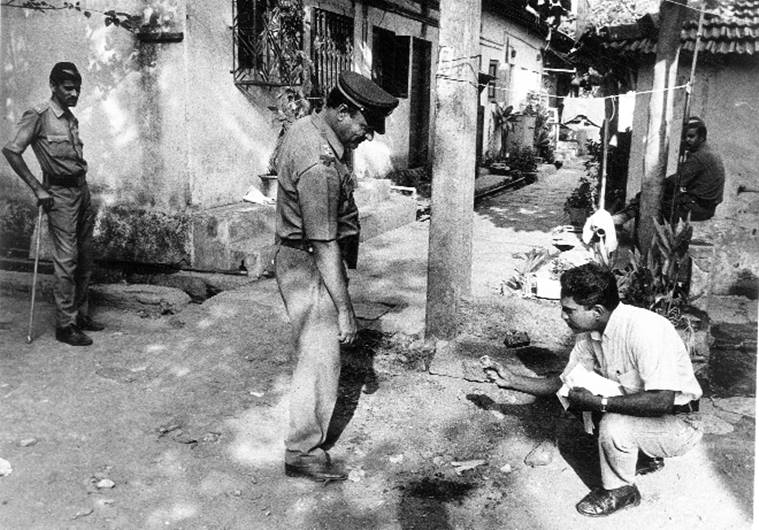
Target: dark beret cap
x,y
370,98
65,72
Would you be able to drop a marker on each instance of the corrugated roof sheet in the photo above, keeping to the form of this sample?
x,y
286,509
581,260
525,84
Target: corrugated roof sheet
x,y
733,29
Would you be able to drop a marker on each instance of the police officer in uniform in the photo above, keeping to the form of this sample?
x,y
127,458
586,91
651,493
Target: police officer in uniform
x,y
317,233
53,132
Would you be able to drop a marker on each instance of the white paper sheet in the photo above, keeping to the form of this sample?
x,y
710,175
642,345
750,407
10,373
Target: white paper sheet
x,y
581,377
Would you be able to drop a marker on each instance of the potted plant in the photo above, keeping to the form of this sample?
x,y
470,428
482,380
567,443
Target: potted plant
x,y
659,282
580,203
524,162
583,199
503,123
524,281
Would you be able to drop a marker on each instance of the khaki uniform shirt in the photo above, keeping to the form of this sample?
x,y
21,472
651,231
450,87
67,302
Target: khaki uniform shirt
x,y
53,134
641,351
315,194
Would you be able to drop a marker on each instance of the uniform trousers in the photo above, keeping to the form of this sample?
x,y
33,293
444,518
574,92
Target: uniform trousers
x,y
71,221
620,437
313,318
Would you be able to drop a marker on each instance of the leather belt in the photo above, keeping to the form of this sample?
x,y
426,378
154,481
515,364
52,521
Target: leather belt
x,y
691,406
297,244
67,181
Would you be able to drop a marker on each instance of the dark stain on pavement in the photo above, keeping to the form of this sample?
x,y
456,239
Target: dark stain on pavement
x,y
422,504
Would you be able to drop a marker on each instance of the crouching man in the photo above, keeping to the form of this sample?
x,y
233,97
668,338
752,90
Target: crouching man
x,y
642,352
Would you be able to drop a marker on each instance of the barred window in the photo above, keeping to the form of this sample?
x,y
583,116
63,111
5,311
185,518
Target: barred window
x,y
331,49
265,36
492,85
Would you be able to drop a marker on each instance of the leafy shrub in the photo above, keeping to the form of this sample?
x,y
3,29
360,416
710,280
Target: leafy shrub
x,y
524,161
17,220
659,281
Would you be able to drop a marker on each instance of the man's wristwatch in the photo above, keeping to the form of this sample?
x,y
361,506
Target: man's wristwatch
x,y
604,402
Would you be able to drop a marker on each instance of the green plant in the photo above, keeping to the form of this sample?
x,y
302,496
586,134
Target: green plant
x,y
543,139
282,38
659,280
503,123
531,261
524,161
17,219
291,105
583,197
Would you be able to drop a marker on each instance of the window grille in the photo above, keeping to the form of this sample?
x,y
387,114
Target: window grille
x,y
256,45
331,49
492,85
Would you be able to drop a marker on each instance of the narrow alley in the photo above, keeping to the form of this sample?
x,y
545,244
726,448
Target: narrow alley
x,y
177,421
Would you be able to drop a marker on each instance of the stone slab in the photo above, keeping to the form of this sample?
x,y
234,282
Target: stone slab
x,y
198,285
152,300
460,359
744,406
20,284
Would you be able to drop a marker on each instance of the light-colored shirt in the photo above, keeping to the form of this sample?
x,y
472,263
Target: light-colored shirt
x,y
640,350
315,195
53,134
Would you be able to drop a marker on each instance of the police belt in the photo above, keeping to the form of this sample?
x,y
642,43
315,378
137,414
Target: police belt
x,y
691,406
298,244
66,181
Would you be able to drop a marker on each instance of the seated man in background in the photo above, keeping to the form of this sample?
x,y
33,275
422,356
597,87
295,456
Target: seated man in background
x,y
701,184
641,352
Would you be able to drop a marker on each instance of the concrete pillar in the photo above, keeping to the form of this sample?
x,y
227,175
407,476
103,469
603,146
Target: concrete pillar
x,y
449,266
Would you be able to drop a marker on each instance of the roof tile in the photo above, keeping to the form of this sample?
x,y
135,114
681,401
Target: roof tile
x,y
734,31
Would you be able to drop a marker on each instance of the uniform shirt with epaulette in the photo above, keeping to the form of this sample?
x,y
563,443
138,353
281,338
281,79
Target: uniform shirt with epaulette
x,y
53,134
315,194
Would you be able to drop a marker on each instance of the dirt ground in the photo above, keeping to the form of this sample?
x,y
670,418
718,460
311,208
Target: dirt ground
x,y
178,421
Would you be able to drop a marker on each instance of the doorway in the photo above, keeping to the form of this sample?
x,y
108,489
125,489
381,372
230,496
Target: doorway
x,y
419,103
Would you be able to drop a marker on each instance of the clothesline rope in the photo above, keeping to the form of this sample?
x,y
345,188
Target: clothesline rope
x,y
511,90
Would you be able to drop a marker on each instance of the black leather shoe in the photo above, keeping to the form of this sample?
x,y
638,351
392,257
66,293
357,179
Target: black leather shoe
x,y
647,464
601,502
86,323
316,471
72,335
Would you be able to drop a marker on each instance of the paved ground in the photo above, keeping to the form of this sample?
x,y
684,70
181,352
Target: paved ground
x,y
177,421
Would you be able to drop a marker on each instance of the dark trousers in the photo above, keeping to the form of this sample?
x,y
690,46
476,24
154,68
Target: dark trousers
x,y
71,221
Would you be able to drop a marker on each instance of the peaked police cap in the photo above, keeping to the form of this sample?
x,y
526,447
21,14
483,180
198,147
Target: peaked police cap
x,y
371,99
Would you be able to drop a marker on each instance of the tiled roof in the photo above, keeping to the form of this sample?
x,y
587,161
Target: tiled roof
x,y
733,29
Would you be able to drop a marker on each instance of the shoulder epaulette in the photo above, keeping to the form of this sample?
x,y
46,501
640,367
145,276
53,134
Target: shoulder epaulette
x,y
41,107
327,155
